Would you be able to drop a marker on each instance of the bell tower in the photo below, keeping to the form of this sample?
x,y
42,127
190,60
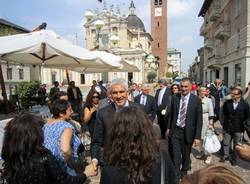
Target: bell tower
x,y
159,33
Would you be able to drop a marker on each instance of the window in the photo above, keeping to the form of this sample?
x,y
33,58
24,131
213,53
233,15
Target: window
x,y
238,74
21,74
9,73
158,2
82,78
237,7
158,45
158,23
53,77
226,76
211,76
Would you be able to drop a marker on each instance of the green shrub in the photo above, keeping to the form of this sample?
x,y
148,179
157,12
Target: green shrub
x,y
26,90
151,76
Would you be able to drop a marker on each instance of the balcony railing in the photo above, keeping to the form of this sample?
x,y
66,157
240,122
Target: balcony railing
x,y
215,12
203,29
223,31
208,44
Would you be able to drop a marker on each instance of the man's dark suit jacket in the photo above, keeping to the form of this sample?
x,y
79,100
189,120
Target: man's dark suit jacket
x,y
234,119
71,95
193,117
102,128
150,107
165,99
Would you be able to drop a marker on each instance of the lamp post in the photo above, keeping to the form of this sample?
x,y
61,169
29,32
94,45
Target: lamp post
x,y
114,40
98,24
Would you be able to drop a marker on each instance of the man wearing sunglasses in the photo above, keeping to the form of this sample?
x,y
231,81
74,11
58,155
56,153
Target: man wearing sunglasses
x,y
236,113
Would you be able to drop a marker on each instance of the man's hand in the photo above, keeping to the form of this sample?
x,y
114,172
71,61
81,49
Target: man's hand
x,y
167,132
89,170
196,142
243,151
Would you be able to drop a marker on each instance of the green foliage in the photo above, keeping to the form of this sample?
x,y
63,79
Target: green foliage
x,y
151,76
169,74
26,90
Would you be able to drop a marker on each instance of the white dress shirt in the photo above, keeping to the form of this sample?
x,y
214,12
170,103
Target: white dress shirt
x,y
161,93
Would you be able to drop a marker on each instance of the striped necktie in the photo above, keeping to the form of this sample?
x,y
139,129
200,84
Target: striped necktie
x,y
182,122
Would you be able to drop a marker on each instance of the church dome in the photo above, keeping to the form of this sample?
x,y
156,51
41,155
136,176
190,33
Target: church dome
x,y
135,22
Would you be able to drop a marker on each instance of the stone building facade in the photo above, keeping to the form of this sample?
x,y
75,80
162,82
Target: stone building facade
x,y
226,32
120,34
174,59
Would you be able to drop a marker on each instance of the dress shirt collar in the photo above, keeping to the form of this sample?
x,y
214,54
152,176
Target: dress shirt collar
x,y
117,109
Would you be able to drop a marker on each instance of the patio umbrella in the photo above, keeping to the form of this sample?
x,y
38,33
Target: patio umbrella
x,y
109,58
48,49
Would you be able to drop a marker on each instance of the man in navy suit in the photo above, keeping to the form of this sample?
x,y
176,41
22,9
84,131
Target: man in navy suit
x,y
148,102
184,127
163,101
104,117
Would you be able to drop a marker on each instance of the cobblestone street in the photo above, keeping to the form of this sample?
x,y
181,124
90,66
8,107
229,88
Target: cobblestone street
x,y
198,164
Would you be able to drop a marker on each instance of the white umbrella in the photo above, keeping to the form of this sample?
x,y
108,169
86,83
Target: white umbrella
x,y
109,58
47,48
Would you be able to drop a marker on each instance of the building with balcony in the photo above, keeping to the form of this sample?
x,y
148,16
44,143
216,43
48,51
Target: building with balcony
x,y
226,32
174,59
13,73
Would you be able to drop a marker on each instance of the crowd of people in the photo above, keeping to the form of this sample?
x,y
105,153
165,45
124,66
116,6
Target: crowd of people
x,y
127,125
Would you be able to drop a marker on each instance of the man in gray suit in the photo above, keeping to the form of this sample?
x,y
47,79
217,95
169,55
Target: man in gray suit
x,y
184,127
119,95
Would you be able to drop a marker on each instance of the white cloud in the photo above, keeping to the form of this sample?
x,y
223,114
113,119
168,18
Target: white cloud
x,y
179,8
186,39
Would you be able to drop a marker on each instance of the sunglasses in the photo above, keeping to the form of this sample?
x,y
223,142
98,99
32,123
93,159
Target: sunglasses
x,y
95,97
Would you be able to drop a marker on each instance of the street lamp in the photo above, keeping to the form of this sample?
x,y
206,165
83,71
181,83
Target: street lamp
x,y
98,24
89,15
114,39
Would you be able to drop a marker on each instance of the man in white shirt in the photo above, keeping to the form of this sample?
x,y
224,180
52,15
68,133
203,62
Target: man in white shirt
x,y
163,102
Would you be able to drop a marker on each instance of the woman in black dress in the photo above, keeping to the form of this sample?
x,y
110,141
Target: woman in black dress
x,y
90,107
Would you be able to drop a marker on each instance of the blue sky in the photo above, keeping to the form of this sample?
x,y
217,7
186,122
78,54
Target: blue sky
x,y
66,17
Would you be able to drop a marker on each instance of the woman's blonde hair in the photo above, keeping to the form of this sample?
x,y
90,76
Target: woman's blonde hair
x,y
213,174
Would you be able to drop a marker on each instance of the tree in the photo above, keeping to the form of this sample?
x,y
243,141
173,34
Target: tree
x,y
169,74
151,76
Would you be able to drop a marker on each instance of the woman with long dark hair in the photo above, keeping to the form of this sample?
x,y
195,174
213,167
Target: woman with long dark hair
x,y
26,160
90,107
133,157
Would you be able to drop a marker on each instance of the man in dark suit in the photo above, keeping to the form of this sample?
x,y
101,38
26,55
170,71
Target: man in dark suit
x,y
75,98
163,101
148,102
236,113
119,95
184,127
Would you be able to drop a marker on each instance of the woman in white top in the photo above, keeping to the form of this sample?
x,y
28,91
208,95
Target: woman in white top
x,y
207,115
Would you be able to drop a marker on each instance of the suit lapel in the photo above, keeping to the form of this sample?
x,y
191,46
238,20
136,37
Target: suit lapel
x,y
189,105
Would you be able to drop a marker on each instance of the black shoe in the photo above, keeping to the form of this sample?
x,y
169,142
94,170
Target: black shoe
x,y
233,162
223,159
183,173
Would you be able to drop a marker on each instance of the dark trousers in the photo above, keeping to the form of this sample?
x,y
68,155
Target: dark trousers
x,y
180,152
227,140
162,125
